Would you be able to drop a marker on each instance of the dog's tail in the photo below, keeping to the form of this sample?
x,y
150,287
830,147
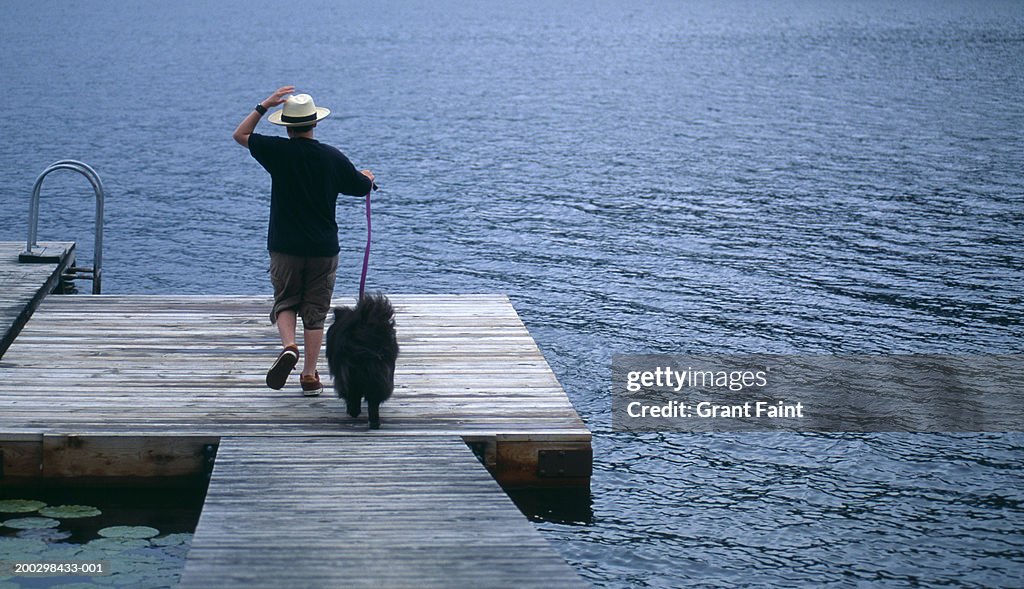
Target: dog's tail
x,y
375,309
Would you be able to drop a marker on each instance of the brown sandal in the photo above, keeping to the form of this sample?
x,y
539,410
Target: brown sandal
x,y
311,386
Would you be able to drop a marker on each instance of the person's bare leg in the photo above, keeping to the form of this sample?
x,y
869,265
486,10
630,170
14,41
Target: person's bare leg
x,y
277,376
286,327
312,339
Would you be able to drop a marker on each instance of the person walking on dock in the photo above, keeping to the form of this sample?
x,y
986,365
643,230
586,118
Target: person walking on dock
x,y
306,178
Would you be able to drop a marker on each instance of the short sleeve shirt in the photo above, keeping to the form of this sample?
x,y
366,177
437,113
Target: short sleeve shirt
x,y
306,178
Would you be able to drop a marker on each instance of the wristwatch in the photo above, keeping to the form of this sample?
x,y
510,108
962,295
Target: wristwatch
x,y
261,109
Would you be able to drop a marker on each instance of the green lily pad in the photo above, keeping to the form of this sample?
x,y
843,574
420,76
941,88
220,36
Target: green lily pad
x,y
147,560
117,543
70,511
178,552
172,540
88,553
20,505
129,532
44,534
31,523
129,580
15,548
158,582
63,551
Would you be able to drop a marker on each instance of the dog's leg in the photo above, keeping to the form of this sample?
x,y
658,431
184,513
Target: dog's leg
x,y
353,402
374,411
340,375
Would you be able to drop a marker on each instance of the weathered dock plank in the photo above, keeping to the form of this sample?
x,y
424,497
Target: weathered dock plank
x,y
23,286
372,512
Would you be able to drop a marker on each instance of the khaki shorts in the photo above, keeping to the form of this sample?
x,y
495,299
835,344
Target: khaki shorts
x,y
303,284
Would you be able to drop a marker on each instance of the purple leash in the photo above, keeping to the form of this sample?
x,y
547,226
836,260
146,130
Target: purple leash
x,y
366,252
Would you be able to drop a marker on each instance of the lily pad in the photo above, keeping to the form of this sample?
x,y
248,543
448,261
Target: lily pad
x,y
136,580
180,551
92,553
70,511
129,532
149,559
31,523
20,505
117,543
172,540
15,548
44,534
63,551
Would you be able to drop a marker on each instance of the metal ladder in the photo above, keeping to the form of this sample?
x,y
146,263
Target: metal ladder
x,y
34,253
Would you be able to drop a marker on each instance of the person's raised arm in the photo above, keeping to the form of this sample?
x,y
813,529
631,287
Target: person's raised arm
x,y
248,124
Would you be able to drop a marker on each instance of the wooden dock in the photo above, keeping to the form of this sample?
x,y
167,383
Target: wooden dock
x,y
348,512
23,286
90,374
99,388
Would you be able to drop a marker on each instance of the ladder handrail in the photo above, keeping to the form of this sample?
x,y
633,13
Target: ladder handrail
x,y
33,214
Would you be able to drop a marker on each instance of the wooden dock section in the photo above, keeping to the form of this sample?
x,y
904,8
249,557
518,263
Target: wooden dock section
x,y
98,376
375,512
23,286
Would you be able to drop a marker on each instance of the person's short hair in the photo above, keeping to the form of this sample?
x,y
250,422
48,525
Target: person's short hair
x,y
302,129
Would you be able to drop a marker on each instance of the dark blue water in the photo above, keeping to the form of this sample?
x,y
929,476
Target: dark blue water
x,y
696,177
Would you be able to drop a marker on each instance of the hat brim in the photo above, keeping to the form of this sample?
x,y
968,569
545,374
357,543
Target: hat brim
x,y
321,114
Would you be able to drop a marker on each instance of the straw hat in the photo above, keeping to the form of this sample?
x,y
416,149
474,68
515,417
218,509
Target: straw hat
x,y
298,110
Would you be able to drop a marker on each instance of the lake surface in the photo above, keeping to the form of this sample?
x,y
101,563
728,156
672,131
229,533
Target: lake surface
x,y
641,177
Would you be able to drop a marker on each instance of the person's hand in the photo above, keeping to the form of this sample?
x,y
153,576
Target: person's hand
x,y
369,174
278,96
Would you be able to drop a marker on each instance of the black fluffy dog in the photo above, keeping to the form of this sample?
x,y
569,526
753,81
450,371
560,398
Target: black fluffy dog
x,y
361,352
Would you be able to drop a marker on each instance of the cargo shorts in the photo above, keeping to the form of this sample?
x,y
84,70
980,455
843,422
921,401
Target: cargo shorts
x,y
303,284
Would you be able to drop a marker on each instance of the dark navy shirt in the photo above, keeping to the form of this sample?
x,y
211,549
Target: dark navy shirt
x,y
306,178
